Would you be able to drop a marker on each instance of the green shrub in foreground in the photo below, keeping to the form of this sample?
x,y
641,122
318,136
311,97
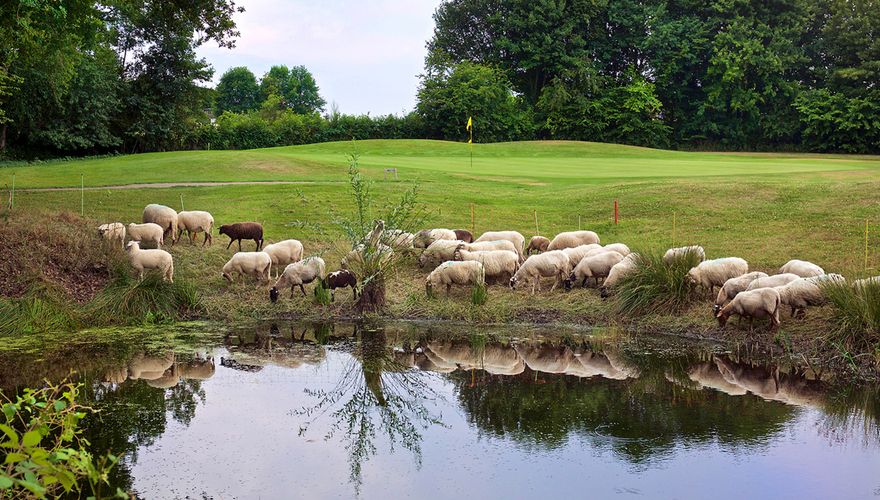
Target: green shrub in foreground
x,y
42,309
655,286
855,314
125,300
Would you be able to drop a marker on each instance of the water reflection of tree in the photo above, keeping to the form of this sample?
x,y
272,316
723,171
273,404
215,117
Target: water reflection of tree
x,y
374,394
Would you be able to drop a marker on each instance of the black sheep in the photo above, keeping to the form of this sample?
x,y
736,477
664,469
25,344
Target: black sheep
x,y
340,279
243,231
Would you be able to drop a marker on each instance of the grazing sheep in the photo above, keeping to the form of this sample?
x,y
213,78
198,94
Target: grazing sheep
x,y
711,273
299,274
618,272
772,281
537,244
487,246
356,256
617,247
243,231
398,239
733,286
550,264
514,237
571,239
760,303
194,222
147,233
799,294
256,264
340,279
463,235
576,254
802,268
595,266
498,264
164,216
674,253
427,236
113,232
150,259
439,251
833,277
468,272
283,253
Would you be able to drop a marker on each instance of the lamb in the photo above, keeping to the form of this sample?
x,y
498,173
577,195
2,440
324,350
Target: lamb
x,y
113,232
674,253
733,286
299,274
596,266
468,272
147,233
340,279
284,253
514,237
618,247
550,264
164,216
256,264
618,272
538,244
150,259
463,235
570,239
802,268
772,281
243,231
427,236
439,251
576,254
711,273
799,294
194,222
759,303
498,264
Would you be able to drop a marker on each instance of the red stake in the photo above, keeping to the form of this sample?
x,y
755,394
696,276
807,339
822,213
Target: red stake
x,y
615,212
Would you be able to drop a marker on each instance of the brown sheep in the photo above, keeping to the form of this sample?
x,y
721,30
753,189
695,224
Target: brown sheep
x,y
463,235
538,244
243,231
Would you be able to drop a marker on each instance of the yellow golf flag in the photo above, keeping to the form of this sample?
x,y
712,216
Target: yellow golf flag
x,y
470,129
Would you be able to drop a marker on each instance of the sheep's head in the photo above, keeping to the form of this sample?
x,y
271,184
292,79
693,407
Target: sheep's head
x,y
132,245
273,295
423,260
513,281
567,283
716,309
692,276
604,292
722,316
224,229
102,229
226,276
429,289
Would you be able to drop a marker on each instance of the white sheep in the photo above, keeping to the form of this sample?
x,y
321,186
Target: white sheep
x,y
617,247
398,239
147,233
486,246
711,273
427,236
165,217
357,255
498,264
772,281
576,254
194,222
760,303
550,264
283,253
113,232
438,251
675,253
618,272
150,259
514,237
802,268
594,266
733,286
571,239
257,264
468,272
830,277
299,274
799,294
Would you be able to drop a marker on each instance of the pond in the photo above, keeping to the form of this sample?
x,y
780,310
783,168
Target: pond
x,y
280,410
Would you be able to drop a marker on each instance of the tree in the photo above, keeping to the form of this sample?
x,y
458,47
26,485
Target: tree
x,y
446,100
237,91
295,86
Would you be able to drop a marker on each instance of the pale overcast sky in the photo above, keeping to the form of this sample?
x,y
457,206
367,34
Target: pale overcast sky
x,y
365,54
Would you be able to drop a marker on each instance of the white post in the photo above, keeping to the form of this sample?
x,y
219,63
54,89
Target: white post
x,y
181,202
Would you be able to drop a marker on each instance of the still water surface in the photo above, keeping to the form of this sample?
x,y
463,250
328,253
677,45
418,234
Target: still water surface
x,y
321,411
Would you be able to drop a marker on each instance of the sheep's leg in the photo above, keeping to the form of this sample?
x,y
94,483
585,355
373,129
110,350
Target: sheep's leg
x,y
448,289
230,244
302,289
239,244
354,292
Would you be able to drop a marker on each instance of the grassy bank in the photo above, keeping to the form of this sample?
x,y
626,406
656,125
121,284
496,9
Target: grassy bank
x,y
765,208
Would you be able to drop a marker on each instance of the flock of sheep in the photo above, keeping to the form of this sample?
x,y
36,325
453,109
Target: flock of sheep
x,y
456,258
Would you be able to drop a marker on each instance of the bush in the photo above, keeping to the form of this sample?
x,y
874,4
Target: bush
x,y
855,316
656,287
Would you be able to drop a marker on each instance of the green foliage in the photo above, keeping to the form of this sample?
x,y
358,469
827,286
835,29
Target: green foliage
x,y
832,121
44,452
41,310
322,295
127,301
295,89
479,294
655,286
855,315
237,91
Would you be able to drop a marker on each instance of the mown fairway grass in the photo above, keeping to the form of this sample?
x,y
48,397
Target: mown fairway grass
x,y
766,208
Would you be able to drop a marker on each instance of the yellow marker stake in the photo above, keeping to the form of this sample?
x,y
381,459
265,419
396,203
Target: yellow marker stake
x,y
866,244
673,228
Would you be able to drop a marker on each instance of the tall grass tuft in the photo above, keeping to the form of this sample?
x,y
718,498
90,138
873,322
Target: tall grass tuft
x,y
322,295
126,300
479,294
655,286
855,314
43,308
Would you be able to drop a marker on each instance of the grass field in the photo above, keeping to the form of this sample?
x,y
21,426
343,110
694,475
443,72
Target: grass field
x,y
766,208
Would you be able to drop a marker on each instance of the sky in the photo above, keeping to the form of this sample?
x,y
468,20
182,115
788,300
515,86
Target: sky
x,y
366,55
